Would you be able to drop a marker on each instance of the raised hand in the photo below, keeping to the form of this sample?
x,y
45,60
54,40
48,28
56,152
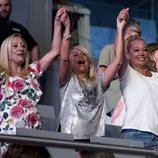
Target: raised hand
x,y
122,18
60,16
65,20
123,15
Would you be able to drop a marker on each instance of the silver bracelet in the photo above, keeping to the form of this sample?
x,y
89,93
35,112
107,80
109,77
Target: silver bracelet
x,y
66,36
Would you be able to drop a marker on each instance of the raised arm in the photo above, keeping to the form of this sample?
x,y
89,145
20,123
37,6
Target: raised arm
x,y
114,67
47,59
123,66
64,70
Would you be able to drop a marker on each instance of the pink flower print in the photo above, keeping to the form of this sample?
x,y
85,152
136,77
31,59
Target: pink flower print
x,y
36,70
1,120
24,103
32,120
1,96
17,112
32,70
18,85
34,85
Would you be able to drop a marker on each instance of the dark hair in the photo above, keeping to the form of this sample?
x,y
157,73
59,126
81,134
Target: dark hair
x,y
26,151
94,154
131,22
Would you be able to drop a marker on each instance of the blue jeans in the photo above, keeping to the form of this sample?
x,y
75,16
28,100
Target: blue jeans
x,y
150,140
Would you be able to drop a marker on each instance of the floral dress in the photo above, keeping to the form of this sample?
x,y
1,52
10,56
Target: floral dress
x,y
18,102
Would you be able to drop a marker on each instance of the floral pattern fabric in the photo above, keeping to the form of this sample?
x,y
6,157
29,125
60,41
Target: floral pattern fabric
x,y
18,102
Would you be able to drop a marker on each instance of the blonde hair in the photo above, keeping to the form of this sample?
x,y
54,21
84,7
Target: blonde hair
x,y
152,47
5,51
128,44
91,75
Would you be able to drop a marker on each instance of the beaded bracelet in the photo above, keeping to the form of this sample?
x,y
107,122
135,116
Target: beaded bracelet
x,y
66,36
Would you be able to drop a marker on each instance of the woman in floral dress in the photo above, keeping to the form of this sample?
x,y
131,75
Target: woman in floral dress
x,y
19,87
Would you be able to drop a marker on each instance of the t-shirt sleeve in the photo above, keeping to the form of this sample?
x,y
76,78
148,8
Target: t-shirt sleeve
x,y
127,75
106,56
101,77
35,69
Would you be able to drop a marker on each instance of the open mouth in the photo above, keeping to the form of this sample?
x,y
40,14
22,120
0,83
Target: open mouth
x,y
81,62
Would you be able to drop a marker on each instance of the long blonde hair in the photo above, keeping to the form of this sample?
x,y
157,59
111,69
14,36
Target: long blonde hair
x,y
5,51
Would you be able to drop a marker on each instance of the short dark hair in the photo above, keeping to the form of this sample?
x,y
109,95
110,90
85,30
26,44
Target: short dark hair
x,y
131,22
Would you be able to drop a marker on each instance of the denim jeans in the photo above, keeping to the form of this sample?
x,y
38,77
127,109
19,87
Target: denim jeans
x,y
150,140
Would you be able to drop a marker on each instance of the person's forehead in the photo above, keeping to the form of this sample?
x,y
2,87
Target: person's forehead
x,y
4,2
133,28
17,39
76,50
138,42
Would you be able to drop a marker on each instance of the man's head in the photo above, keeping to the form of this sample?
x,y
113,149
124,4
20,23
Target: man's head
x,y
132,28
5,9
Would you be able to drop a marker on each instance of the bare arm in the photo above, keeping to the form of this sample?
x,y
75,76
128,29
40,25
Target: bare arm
x,y
123,66
47,59
114,67
64,71
35,53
